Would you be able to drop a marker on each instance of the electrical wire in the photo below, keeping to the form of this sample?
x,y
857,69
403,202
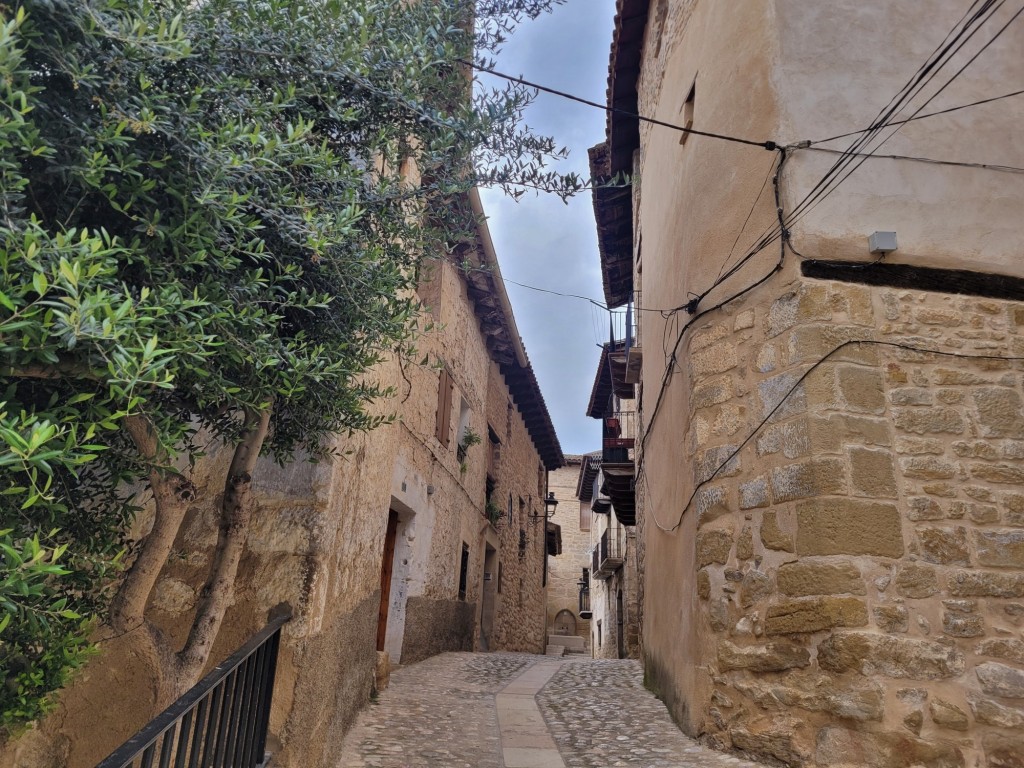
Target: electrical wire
x,y
769,145
891,109
803,377
764,185
945,50
955,163
954,41
595,302
670,364
842,167
922,117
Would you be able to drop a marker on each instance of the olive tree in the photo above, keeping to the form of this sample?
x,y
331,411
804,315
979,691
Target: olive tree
x,y
212,215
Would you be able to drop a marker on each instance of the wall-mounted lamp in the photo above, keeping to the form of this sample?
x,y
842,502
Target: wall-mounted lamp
x,y
550,504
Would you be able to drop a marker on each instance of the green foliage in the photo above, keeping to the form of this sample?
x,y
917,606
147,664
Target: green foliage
x,y
41,638
205,209
493,512
470,438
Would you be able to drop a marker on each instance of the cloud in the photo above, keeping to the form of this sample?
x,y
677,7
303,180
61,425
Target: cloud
x,y
544,243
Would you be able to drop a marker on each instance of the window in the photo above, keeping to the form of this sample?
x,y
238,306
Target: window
x,y
599,633
464,415
687,111
445,390
463,571
510,509
493,453
500,574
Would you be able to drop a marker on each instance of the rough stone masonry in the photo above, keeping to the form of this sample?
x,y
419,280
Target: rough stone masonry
x,y
860,563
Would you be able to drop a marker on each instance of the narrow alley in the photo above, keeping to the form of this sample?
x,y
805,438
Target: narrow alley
x,y
505,710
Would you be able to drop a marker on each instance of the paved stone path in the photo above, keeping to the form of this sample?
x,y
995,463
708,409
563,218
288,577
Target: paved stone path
x,y
504,710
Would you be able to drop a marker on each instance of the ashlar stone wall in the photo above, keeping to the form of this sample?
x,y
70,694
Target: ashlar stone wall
x,y
859,563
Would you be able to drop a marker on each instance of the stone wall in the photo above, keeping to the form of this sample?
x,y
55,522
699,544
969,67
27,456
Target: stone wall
x,y
604,601
316,542
859,563
436,626
519,623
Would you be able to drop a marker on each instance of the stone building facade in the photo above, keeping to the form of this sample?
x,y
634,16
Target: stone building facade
x,y
458,578
606,484
831,454
566,571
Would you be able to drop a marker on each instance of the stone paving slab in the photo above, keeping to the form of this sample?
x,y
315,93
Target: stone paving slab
x,y
601,716
502,710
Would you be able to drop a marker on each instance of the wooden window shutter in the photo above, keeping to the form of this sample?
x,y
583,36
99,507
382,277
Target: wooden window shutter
x,y
445,389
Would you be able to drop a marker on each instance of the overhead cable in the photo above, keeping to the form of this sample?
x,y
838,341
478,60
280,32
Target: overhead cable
x,y
912,158
853,156
927,114
796,384
769,145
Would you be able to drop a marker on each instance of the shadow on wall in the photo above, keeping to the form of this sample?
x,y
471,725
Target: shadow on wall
x,y
436,626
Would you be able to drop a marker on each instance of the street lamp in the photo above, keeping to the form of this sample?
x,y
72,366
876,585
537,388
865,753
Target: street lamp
x,y
550,503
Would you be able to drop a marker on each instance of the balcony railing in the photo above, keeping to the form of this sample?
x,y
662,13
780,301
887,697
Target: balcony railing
x,y
585,612
584,585
609,554
618,437
222,721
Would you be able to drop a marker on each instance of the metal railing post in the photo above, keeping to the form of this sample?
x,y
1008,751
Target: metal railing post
x,y
222,721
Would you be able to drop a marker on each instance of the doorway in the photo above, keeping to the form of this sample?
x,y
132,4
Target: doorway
x,y
490,593
387,568
620,626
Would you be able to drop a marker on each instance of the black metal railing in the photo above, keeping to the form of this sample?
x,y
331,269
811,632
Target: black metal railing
x,y
608,554
219,723
584,586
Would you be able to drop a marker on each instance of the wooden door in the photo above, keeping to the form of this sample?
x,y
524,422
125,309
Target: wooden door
x,y
386,570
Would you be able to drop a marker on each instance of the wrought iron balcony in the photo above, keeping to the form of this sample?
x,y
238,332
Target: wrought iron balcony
x,y
609,554
585,612
584,585
618,437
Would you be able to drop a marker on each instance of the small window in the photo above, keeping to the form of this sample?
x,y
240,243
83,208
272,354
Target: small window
x,y
599,633
500,574
463,571
510,509
687,110
443,424
464,417
493,453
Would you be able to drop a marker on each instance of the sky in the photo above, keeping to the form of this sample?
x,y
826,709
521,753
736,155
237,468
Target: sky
x,y
544,243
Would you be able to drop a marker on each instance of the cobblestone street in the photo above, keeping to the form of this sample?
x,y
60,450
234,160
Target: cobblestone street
x,y
506,710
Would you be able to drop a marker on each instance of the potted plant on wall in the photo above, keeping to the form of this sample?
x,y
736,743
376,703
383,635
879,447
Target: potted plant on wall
x,y
468,440
493,512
